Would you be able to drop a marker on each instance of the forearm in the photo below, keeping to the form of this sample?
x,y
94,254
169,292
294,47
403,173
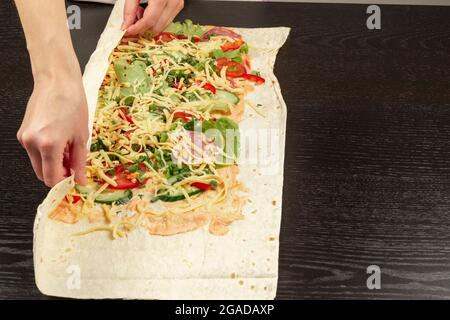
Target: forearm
x,y
48,38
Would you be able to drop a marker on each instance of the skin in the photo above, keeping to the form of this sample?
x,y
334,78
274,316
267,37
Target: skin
x,y
54,131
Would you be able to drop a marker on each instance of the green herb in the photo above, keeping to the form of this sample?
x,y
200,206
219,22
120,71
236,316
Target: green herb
x,y
244,48
214,184
98,145
141,176
135,147
133,168
163,137
191,124
189,60
235,55
128,101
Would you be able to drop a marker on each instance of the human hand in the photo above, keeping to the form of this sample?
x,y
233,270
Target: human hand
x,y
155,18
54,131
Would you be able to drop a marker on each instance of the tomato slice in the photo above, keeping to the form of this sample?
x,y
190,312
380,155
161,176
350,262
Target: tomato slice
x,y
186,117
234,69
196,39
254,78
165,37
232,45
220,31
208,86
124,115
201,185
125,179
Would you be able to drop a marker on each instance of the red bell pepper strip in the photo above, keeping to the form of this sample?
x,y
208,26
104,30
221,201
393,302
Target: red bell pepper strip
x,y
164,37
254,78
208,86
201,185
177,84
75,199
232,45
182,37
124,115
186,117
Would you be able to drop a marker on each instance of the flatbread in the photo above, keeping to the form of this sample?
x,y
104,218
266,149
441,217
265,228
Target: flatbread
x,y
243,264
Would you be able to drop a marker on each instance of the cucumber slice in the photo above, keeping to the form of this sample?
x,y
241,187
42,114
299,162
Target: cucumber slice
x,y
177,196
109,197
226,96
118,196
175,99
222,100
219,106
85,189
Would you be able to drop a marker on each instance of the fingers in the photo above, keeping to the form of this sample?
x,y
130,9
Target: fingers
x,y
151,16
130,13
140,13
27,142
78,154
36,162
52,163
172,9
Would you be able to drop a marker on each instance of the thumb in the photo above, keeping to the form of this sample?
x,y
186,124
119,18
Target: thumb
x,y
78,161
130,13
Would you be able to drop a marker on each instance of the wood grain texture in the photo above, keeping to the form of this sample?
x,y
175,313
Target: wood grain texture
x,y
367,155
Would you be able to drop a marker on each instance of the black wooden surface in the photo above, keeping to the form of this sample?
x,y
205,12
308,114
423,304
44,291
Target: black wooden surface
x,y
367,156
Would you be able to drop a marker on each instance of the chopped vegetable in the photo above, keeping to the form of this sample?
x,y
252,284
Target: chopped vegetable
x,y
234,69
208,86
232,45
254,78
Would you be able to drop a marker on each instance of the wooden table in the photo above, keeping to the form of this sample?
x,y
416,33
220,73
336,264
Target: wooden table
x,y
367,173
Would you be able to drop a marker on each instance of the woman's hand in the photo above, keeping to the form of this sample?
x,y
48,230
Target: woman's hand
x,y
54,131
155,18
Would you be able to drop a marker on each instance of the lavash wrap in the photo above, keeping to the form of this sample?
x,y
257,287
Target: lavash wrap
x,y
242,264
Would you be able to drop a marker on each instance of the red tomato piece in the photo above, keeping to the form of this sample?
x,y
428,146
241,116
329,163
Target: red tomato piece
x,y
182,37
125,179
208,86
186,117
201,185
254,78
164,37
234,69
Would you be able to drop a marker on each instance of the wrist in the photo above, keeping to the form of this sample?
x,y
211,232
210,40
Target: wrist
x,y
52,60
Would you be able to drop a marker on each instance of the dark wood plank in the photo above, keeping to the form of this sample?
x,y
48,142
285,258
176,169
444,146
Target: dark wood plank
x,y
367,155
